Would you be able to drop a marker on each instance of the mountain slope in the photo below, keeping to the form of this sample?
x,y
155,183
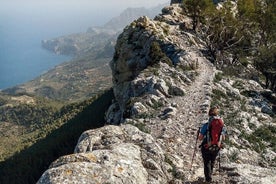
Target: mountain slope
x,y
27,165
164,85
70,82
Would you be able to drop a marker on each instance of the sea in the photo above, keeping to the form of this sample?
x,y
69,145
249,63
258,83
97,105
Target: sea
x,y
21,56
25,23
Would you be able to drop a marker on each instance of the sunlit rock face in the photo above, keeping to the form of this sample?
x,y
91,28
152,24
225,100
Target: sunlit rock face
x,y
112,154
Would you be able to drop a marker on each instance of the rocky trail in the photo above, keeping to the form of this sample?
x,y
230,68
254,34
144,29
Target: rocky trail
x,y
177,134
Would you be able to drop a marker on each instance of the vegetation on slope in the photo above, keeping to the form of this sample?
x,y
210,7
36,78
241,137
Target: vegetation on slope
x,y
21,118
240,39
244,120
28,165
238,33
26,119
73,81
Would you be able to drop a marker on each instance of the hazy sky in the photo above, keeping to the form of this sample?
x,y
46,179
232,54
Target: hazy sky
x,y
66,13
78,5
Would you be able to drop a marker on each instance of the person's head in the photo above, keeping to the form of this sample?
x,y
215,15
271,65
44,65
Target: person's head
x,y
214,111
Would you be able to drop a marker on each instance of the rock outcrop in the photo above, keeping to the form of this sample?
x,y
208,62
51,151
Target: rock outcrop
x,y
163,87
112,154
147,44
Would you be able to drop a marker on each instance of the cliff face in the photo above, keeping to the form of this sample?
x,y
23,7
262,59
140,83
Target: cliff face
x,y
163,87
148,44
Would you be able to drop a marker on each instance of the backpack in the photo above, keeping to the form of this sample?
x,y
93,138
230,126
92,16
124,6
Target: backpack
x,y
214,136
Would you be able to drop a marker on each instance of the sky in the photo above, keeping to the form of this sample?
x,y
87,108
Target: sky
x,y
79,4
68,12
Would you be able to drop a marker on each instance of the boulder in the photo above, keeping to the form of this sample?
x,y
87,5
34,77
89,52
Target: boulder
x,y
120,164
103,138
176,91
112,154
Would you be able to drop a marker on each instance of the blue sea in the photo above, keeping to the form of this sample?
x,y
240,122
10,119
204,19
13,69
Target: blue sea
x,y
21,55
23,24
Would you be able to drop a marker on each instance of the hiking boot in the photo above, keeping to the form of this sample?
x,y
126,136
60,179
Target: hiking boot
x,y
209,180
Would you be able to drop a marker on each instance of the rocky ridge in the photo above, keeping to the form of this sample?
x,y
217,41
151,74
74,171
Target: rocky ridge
x,y
164,86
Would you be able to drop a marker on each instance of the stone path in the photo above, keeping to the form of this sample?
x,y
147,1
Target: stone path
x,y
192,113
177,134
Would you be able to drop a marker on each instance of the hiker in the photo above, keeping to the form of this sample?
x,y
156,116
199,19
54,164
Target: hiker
x,y
212,133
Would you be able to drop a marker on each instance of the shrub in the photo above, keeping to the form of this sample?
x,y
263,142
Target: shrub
x,y
234,156
219,94
244,62
141,126
218,77
158,55
263,133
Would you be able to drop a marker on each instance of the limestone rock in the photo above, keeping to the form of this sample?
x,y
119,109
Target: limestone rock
x,y
138,108
113,114
247,174
120,164
112,154
145,43
107,136
229,89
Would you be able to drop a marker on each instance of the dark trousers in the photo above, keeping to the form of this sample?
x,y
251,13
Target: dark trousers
x,y
209,158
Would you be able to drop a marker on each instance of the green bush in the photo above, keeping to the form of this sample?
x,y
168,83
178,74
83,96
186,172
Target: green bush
x,y
218,77
263,133
234,156
141,126
244,62
218,97
157,55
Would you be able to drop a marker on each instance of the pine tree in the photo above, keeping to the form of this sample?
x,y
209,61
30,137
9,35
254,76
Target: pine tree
x,y
195,9
260,18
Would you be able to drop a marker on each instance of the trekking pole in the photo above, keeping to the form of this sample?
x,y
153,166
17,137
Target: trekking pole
x,y
219,161
219,165
195,148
